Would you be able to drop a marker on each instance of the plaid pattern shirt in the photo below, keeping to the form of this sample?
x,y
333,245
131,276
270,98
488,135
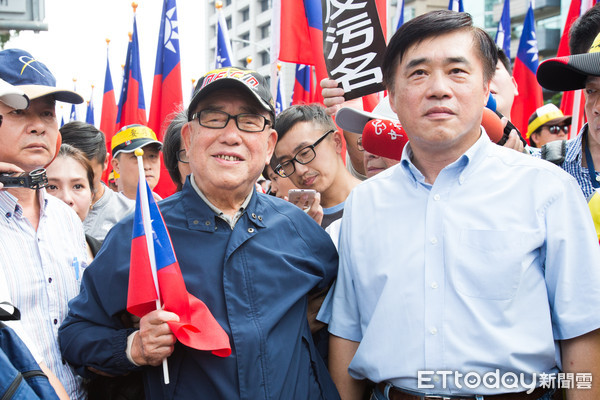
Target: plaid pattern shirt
x,y
572,163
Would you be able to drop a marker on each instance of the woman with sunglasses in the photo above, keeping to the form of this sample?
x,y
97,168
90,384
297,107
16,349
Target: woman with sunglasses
x,y
547,124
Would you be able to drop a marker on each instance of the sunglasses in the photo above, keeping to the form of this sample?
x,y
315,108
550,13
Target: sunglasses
x,y
556,129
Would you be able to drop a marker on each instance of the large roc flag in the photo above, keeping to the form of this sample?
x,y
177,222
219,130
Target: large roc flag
x,y
526,64
132,108
108,116
167,95
155,275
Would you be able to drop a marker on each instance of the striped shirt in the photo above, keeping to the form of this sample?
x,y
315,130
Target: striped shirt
x,y
39,267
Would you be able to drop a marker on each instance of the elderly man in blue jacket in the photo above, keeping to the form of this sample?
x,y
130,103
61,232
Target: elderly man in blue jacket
x,y
252,259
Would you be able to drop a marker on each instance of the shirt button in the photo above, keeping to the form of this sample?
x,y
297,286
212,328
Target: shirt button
x,y
434,285
195,222
55,321
259,218
437,197
433,331
461,179
207,223
253,215
49,280
8,215
433,240
250,230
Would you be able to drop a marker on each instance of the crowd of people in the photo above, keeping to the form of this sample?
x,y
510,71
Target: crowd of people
x,y
452,267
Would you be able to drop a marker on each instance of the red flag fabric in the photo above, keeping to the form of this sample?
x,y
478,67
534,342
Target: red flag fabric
x,y
108,119
526,64
302,36
167,95
302,93
197,328
132,108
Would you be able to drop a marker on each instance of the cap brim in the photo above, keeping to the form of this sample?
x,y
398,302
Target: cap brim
x,y
353,120
224,83
568,73
136,145
16,101
566,120
37,91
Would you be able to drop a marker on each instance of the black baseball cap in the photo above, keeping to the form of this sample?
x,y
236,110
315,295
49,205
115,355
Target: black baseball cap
x,y
251,81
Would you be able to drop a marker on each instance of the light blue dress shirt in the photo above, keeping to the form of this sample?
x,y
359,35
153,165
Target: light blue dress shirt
x,y
483,270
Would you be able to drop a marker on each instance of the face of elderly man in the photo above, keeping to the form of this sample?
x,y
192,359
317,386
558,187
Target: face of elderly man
x,y
28,137
226,162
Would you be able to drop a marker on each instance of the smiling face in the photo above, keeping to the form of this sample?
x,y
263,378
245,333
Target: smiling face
x,y
439,93
28,137
68,180
227,161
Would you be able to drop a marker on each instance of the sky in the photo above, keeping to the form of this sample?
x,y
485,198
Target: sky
x,y
74,47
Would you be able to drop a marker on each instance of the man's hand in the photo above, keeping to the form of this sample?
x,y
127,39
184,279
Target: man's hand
x,y
154,341
315,211
333,96
513,141
8,168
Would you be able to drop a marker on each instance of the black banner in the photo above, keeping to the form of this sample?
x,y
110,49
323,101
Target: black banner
x,y
353,45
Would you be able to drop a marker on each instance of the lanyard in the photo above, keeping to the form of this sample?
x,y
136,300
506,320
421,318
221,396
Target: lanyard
x,y
590,164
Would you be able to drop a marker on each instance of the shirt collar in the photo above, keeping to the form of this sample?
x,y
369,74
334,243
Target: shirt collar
x,y
574,152
461,166
9,204
230,220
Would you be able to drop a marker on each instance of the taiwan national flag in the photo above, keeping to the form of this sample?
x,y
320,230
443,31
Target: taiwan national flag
x,y
456,5
89,114
399,14
167,95
301,36
279,98
526,64
302,85
503,33
108,119
152,255
132,108
223,50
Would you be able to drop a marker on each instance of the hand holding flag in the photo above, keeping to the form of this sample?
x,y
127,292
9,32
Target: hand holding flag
x,y
155,280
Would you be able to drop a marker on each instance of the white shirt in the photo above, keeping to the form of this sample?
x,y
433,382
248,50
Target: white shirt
x,y
41,268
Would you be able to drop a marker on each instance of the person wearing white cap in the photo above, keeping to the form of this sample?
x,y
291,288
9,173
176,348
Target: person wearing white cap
x,y
42,238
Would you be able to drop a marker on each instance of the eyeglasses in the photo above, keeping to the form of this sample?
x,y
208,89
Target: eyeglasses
x,y
246,122
182,156
303,156
359,144
556,129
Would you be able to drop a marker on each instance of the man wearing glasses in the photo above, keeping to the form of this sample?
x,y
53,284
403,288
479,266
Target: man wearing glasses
x,y
547,124
252,258
309,151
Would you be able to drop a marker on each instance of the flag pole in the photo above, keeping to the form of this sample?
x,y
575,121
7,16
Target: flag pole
x,y
147,222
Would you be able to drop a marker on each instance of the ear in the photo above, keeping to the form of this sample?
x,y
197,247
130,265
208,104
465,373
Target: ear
x,y
392,99
516,91
486,91
271,142
185,135
106,161
337,139
115,164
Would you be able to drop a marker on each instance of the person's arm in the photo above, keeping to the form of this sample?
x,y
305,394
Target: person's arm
x,y
582,355
56,385
341,352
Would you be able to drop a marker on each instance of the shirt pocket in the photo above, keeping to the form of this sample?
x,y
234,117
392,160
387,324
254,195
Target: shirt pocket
x,y
489,263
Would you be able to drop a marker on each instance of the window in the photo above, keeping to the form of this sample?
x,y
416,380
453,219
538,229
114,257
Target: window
x,y
264,58
245,14
265,30
245,37
228,22
264,5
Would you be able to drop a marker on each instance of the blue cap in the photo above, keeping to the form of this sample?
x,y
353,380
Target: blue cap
x,y
20,69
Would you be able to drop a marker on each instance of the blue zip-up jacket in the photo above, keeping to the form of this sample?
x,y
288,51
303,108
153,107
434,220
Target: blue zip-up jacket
x,y
254,278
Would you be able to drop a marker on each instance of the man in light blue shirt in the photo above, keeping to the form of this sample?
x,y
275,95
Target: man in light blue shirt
x,y
468,270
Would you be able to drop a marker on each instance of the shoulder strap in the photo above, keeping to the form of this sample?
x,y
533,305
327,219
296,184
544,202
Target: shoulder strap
x,y
555,151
